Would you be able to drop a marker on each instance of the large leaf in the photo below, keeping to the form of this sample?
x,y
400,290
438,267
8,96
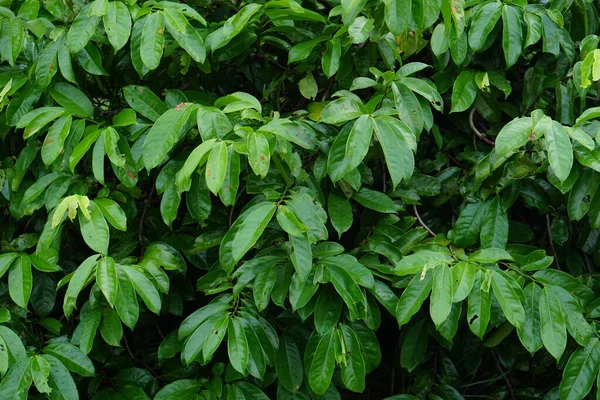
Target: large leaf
x,y
163,135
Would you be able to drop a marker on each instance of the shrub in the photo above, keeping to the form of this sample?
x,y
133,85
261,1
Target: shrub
x,y
299,200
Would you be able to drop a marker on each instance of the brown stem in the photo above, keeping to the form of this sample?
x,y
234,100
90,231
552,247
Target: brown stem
x,y
423,224
476,131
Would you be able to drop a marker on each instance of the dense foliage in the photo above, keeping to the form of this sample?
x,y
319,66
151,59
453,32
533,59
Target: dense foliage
x,y
299,200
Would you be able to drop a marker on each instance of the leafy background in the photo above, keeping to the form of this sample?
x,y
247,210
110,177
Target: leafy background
x,y
294,200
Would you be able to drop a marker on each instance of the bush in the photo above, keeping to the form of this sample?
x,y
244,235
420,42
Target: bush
x,y
299,200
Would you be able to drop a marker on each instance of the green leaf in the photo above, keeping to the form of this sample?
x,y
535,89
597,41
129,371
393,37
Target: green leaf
x,y
94,229
482,24
47,65
17,381
331,59
413,297
40,372
11,42
490,256
71,357
216,167
88,325
182,389
391,134
117,24
397,15
354,368
153,38
82,30
494,227
308,86
73,100
113,213
288,364
375,200
215,337
144,287
408,107
237,346
289,222
144,101
163,135
20,280
302,50
60,380
91,59
263,286
106,277
359,141
78,282
212,123
185,34
259,153
251,229
35,190
553,328
529,333
442,292
340,213
327,310
302,256
509,295
560,152
512,34
479,306
464,91
579,373
342,110
323,363
126,303
513,135
414,345
350,10
55,139
463,275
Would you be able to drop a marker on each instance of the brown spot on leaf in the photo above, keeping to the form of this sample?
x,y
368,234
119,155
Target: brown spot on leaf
x,y
131,174
49,141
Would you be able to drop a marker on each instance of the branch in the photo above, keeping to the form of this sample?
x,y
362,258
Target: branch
x,y
423,224
476,131
504,375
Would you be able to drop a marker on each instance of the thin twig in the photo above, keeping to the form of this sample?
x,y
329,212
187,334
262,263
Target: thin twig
x,y
326,92
455,160
241,191
476,131
551,242
144,364
141,226
423,224
508,384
